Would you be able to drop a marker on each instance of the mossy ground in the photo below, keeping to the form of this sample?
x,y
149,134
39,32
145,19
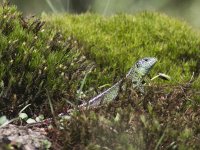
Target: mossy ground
x,y
47,61
116,42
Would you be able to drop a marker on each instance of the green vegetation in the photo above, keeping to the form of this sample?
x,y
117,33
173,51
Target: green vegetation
x,y
43,64
114,43
35,60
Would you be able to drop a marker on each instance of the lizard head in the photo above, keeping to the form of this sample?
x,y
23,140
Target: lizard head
x,y
144,65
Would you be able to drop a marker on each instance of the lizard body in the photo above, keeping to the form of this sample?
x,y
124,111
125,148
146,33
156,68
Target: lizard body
x,y
136,74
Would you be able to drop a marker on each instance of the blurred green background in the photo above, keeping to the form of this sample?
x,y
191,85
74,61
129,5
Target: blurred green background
x,y
187,10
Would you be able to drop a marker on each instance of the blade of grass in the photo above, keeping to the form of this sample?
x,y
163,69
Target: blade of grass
x,y
106,8
8,122
51,107
24,108
160,140
51,6
83,82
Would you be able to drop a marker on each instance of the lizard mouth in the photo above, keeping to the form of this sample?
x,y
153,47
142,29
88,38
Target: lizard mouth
x,y
153,61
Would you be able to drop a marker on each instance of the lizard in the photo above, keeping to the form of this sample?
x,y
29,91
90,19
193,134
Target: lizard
x,y
136,75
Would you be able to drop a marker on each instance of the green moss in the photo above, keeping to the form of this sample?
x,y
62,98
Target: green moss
x,y
161,119
116,42
34,60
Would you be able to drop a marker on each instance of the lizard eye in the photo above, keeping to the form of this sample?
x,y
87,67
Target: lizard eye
x,y
145,59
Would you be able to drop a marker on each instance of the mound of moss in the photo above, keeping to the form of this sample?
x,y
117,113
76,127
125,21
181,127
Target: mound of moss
x,y
43,63
36,64
116,42
160,119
